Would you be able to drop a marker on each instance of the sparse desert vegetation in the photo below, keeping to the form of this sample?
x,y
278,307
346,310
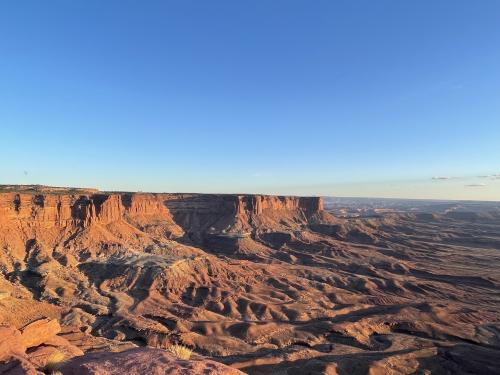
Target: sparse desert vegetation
x,y
180,351
54,362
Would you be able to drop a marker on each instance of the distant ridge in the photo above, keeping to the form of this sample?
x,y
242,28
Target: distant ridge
x,y
45,189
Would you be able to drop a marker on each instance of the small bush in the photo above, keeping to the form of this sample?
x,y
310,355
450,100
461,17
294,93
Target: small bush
x,y
54,361
180,351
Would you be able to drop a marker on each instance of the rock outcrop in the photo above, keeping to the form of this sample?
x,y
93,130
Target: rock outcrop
x,y
10,342
39,331
33,347
37,346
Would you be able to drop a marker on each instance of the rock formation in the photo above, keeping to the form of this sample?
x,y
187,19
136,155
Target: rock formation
x,y
32,346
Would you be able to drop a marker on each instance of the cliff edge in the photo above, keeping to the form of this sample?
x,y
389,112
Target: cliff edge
x,y
69,221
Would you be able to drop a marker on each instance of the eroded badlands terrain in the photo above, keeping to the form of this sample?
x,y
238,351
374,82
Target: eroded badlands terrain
x,y
263,284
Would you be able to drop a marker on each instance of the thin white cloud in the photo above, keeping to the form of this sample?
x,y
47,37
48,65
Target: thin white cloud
x,y
441,178
492,176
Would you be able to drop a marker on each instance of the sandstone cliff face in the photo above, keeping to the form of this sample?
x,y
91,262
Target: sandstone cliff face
x,y
197,214
62,210
31,222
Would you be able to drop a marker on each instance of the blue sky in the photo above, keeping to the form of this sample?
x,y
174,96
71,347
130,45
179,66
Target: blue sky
x,y
368,98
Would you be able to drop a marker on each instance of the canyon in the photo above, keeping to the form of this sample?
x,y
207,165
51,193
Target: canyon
x,y
252,283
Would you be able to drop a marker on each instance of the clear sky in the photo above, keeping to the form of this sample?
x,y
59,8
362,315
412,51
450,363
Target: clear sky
x,y
347,98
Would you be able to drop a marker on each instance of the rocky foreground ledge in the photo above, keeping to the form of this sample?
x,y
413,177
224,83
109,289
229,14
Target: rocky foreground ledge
x,y
38,349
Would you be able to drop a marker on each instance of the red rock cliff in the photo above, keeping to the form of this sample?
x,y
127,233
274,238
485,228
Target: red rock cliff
x,y
51,219
63,210
257,204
